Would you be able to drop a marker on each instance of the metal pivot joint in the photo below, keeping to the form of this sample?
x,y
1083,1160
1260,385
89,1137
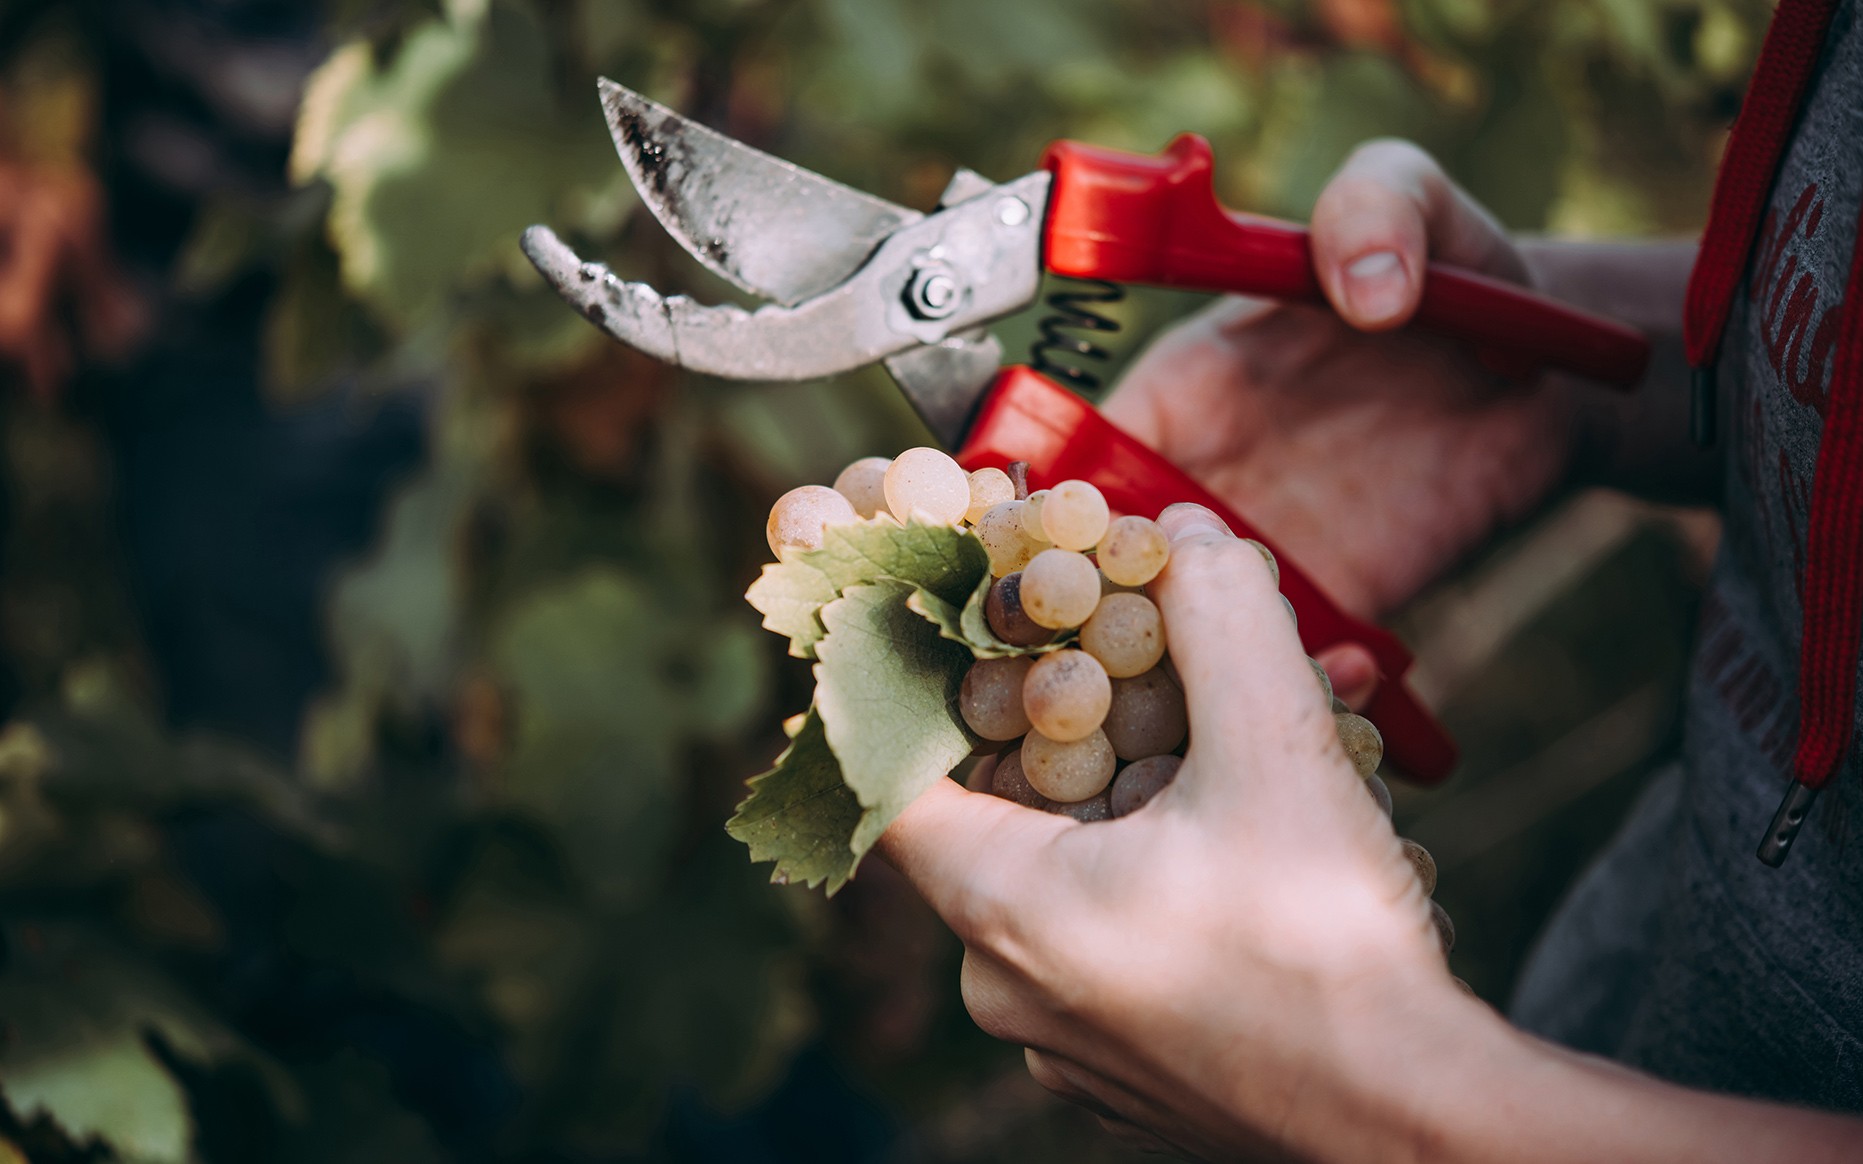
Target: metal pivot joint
x,y
934,292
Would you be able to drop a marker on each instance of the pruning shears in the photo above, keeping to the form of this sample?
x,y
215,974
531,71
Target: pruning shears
x,y
852,279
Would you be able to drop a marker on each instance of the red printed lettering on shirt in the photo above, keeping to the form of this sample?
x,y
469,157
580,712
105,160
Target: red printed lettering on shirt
x,y
1744,682
1799,332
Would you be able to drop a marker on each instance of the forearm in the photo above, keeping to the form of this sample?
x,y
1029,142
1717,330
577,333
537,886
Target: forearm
x,y
1466,1087
1636,441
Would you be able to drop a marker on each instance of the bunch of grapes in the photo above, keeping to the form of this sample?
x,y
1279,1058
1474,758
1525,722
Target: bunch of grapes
x,y
1090,721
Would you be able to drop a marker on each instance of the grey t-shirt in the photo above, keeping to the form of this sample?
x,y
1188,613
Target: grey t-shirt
x,y
1679,952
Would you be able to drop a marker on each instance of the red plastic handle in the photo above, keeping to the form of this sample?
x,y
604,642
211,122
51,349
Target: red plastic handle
x,y
1027,417
1142,218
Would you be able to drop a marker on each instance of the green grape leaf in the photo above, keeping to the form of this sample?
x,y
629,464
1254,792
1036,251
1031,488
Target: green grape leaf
x,y
801,814
941,614
887,687
943,560
968,625
974,625
790,596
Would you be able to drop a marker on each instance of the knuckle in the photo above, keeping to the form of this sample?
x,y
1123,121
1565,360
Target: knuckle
x,y
1204,563
1346,198
1396,154
1358,208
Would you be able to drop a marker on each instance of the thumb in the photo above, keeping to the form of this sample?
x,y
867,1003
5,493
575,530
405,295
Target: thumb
x,y
1388,211
969,854
1258,722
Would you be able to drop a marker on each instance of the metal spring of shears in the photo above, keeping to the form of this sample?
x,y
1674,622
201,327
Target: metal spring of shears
x,y
1061,355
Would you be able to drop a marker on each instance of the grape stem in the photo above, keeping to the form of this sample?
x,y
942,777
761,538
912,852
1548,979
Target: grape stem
x,y
1019,476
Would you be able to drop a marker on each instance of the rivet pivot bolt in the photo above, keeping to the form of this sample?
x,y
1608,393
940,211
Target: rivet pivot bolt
x,y
933,293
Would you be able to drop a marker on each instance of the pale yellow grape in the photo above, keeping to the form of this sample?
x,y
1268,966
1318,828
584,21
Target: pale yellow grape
x,y
1147,716
863,483
1137,783
1070,770
1267,555
1074,516
1031,516
927,484
800,517
988,488
1422,863
1060,588
991,697
1363,744
1066,695
1125,633
1133,550
1000,530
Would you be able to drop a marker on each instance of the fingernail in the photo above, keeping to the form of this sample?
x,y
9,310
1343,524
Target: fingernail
x,y
1187,519
1376,286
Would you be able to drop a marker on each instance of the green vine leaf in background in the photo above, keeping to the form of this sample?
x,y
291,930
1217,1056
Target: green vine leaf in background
x,y
84,1020
439,157
801,814
597,724
887,687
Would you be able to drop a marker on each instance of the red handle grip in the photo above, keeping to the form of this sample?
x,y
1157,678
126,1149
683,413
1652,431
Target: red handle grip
x,y
1027,417
1141,218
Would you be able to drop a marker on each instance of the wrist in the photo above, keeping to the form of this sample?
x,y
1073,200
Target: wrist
x,y
1413,1085
1395,1066
1455,1084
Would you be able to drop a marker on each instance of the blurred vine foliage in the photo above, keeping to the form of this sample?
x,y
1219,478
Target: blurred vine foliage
x,y
549,691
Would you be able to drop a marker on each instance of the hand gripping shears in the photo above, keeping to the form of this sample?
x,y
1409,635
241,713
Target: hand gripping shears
x,y
853,279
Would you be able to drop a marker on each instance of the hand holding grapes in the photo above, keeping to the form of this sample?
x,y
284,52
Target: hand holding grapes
x,y
1258,897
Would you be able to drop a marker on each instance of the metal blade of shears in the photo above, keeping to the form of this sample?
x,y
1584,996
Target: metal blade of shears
x,y
930,281
771,227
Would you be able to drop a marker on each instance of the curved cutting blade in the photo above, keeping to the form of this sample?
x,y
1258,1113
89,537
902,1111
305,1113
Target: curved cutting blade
x,y
981,258
771,343
773,228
